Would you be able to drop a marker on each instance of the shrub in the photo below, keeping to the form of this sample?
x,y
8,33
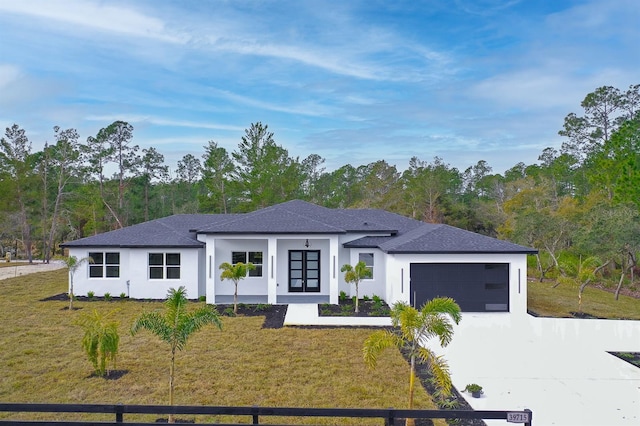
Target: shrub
x,y
202,298
261,307
123,296
342,296
107,296
377,299
91,295
100,341
365,298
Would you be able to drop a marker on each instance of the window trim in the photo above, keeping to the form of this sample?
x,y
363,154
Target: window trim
x,y
369,267
165,266
258,272
103,265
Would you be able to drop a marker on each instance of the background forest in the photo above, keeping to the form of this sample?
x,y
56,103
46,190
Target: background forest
x,y
580,205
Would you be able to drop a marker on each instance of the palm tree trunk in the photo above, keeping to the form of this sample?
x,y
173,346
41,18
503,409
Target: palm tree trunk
x,y
235,299
412,380
171,371
71,294
357,309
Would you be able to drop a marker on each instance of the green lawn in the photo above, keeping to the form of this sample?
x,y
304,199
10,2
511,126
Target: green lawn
x,y
42,361
560,301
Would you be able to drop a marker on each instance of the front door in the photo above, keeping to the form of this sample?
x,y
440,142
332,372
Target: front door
x,y
304,271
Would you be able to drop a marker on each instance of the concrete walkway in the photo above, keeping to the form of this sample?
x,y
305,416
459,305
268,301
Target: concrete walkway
x,y
307,314
559,368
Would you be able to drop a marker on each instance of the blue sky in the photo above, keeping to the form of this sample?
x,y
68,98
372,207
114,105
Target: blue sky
x,y
353,81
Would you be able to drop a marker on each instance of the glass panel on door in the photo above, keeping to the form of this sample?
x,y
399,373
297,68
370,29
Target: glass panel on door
x,y
304,271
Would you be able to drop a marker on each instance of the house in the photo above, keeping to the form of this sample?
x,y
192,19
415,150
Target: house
x,y
298,249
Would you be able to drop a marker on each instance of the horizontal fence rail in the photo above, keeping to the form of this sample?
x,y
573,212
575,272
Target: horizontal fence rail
x,y
389,415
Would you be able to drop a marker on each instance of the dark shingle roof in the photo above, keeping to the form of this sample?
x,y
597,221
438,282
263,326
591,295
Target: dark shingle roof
x,y
430,238
294,217
387,231
171,231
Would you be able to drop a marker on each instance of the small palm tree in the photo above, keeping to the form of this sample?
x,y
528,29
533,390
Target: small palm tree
x,y
176,325
73,264
100,341
235,273
355,274
413,329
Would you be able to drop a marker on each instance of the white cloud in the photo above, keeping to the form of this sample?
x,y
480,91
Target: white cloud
x,y
8,75
159,121
94,15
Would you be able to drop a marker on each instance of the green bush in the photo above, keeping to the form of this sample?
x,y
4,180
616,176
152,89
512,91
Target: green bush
x,y
107,296
91,295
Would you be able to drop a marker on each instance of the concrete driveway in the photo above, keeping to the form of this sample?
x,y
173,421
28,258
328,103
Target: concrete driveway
x,y
559,368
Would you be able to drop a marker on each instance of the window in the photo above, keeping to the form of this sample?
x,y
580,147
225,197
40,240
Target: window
x,y
367,258
104,265
254,257
164,266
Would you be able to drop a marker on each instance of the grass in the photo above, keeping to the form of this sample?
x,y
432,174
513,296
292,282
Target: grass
x,y
41,360
562,300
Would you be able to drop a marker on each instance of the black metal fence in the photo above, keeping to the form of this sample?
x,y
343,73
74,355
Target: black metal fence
x,y
389,415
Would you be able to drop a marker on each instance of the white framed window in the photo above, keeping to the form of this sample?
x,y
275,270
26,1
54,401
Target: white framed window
x,y
367,258
245,257
164,266
104,264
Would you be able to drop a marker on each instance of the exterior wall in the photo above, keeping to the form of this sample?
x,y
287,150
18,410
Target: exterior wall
x,y
398,280
134,278
377,284
275,269
249,286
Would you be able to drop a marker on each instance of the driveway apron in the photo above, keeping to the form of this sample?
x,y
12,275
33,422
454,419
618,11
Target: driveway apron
x,y
559,368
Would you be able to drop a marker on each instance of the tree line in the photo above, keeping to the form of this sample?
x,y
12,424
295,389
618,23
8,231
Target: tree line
x,y
580,200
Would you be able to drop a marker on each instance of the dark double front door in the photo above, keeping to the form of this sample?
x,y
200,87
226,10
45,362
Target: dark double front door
x,y
304,271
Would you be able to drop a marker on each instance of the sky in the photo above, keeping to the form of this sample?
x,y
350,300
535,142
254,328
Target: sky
x,y
352,81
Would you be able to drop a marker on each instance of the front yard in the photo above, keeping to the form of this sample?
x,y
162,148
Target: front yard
x,y
42,361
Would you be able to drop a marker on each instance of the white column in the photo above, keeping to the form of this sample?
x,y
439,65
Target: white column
x,y
334,273
211,270
272,270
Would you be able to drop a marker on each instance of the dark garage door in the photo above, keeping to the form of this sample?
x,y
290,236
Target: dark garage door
x,y
476,287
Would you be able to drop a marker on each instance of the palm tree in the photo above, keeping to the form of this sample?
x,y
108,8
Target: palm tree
x,y
235,273
73,264
176,325
100,341
355,274
413,329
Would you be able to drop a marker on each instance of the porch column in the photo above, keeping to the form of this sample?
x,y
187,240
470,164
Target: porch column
x,y
210,270
334,272
272,270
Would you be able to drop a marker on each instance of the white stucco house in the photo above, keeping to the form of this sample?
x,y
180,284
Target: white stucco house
x,y
299,248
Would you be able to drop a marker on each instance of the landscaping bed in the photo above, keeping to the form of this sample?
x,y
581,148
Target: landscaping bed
x,y
374,307
632,358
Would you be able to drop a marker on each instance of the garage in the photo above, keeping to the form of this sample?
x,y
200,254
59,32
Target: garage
x,y
476,287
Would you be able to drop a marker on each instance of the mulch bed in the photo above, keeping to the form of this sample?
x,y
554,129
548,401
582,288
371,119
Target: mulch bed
x,y
632,358
346,308
273,314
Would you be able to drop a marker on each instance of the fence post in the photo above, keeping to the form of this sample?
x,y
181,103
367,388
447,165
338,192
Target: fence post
x,y
530,417
119,413
391,419
255,416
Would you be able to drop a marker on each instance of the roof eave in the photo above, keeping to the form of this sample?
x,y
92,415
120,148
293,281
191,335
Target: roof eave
x,y
461,252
